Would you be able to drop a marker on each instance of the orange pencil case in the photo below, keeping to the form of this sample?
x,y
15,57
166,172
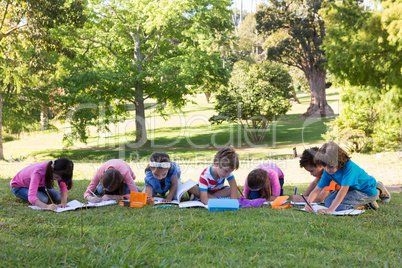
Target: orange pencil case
x,y
137,200
279,202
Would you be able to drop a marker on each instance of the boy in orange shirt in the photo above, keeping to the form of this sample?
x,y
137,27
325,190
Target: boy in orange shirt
x,y
307,162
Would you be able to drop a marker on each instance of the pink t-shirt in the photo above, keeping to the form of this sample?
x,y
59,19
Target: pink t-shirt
x,y
274,174
122,167
33,177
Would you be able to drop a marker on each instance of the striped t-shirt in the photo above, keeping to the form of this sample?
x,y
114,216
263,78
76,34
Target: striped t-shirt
x,y
208,182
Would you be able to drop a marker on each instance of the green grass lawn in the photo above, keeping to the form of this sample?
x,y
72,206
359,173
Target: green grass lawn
x,y
173,237
184,134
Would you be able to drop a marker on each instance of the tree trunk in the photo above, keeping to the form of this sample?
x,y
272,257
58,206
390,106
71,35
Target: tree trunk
x,y
140,126
318,101
207,96
1,125
44,117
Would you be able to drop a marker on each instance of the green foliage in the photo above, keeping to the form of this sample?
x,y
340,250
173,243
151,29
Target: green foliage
x,y
360,127
364,49
294,33
257,93
148,50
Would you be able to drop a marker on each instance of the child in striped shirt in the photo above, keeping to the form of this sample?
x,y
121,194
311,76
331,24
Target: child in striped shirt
x,y
212,179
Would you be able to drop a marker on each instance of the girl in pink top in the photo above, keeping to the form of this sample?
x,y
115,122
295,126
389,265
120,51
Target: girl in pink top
x,y
264,182
113,180
35,183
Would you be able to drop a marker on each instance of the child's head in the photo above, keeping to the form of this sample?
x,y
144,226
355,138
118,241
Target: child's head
x,y
331,157
258,180
307,162
60,169
226,160
159,165
112,180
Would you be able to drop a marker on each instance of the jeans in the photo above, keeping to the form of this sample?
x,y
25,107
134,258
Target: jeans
x,y
281,182
352,200
22,192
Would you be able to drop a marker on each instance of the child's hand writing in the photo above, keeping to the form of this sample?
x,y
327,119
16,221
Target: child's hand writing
x,y
168,200
308,208
94,199
51,207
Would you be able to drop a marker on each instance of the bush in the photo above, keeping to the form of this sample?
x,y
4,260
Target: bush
x,y
257,93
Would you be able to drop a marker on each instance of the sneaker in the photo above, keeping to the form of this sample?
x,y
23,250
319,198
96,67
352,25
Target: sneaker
x,y
385,196
373,205
194,198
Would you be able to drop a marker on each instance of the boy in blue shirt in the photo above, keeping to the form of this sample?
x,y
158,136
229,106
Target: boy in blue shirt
x,y
358,189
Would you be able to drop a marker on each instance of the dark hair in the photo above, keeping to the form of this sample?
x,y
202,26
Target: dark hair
x,y
62,167
227,157
307,157
158,157
331,155
112,180
259,178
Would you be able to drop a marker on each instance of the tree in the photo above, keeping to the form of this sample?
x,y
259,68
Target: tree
x,y
249,39
296,31
257,93
162,45
31,22
364,50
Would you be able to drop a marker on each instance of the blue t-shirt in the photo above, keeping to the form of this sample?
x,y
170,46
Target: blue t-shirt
x,y
153,182
353,176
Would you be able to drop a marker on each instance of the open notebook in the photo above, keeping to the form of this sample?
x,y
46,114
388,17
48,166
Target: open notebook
x,y
351,212
73,205
181,189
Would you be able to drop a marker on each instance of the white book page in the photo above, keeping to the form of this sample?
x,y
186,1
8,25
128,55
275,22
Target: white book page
x,y
301,203
101,204
184,187
72,205
190,204
158,200
181,189
338,213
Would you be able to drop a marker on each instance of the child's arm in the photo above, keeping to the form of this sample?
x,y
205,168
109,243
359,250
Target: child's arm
x,y
337,201
40,204
317,190
173,189
311,187
63,200
204,197
233,189
148,190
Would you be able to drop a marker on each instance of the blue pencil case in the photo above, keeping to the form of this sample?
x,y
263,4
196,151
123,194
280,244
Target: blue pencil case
x,y
223,204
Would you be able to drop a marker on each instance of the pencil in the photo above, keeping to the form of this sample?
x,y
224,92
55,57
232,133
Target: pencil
x,y
91,192
49,195
306,201
217,196
240,191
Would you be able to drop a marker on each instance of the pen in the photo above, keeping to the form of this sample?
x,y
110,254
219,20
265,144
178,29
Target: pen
x,y
217,196
165,206
295,190
91,192
49,196
240,192
307,202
